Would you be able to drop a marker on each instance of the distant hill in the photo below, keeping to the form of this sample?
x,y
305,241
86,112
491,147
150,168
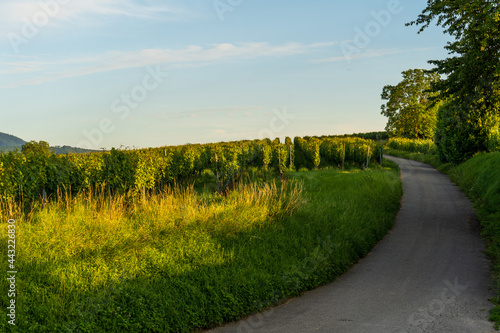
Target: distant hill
x,y
7,140
70,150
11,143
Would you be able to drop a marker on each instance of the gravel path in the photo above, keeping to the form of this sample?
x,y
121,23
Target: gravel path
x,y
429,274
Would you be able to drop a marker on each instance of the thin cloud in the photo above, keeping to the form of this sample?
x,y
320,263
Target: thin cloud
x,y
116,60
371,53
20,67
14,13
126,8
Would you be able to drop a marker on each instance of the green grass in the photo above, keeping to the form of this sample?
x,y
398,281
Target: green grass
x,y
421,157
182,260
425,146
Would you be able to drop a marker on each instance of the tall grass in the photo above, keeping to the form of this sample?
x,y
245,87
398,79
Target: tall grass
x,y
179,260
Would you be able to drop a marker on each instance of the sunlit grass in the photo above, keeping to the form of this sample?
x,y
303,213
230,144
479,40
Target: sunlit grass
x,y
179,260
125,233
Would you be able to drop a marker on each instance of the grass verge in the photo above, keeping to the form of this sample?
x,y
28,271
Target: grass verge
x,y
181,261
421,157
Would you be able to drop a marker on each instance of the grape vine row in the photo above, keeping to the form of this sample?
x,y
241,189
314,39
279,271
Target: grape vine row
x,y
24,176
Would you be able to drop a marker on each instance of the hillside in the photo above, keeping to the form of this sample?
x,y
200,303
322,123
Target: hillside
x,y
71,150
7,140
11,143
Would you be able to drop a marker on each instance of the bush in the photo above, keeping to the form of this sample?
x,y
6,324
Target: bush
x,y
462,131
412,145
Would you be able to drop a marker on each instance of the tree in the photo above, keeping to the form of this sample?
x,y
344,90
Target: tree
x,y
471,83
410,110
41,148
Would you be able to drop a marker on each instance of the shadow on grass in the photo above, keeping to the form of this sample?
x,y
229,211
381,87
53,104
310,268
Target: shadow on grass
x,y
345,216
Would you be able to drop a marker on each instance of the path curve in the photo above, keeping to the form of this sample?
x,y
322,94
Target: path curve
x,y
429,274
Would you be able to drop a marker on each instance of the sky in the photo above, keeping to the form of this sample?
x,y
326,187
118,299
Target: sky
x,y
150,73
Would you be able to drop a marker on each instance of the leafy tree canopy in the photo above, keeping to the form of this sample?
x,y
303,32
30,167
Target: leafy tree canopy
x,y
410,110
41,148
469,121
473,71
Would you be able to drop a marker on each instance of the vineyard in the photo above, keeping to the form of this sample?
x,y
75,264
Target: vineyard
x,y
30,175
180,238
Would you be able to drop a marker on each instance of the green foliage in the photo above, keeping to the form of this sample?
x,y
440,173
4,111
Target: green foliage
x,y
119,170
12,175
459,136
60,173
410,108
463,132
377,136
134,172
30,173
267,154
179,261
494,142
472,71
291,153
471,86
313,152
316,155
414,146
41,148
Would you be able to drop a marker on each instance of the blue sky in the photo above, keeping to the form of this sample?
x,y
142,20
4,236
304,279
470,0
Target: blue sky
x,y
148,73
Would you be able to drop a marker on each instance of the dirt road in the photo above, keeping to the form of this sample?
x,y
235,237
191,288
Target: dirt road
x,y
429,274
